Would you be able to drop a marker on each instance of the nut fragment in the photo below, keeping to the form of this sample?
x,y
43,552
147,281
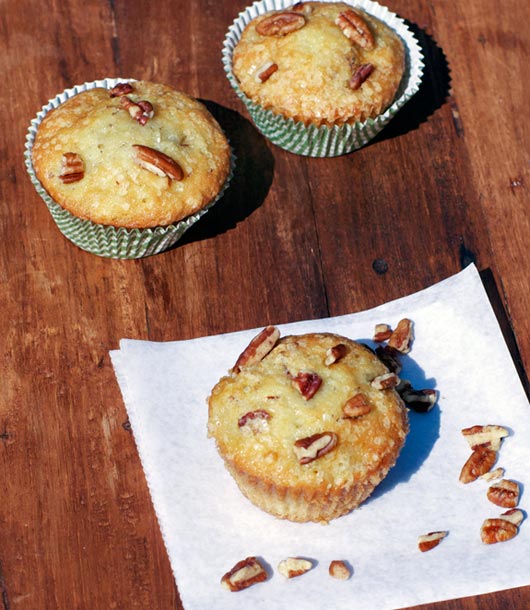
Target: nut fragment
x,y
294,566
420,401
359,75
389,357
302,7
140,111
335,353
257,349
492,475
386,381
339,569
497,530
256,421
72,168
478,463
356,406
281,23
355,28
382,332
488,436
121,89
312,447
245,573
307,384
264,72
430,540
157,162
514,515
402,336
505,493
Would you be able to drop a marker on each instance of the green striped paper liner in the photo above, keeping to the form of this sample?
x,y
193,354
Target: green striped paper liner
x,y
99,239
324,141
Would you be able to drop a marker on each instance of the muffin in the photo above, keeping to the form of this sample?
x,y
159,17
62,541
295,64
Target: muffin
x,y
307,425
318,77
131,156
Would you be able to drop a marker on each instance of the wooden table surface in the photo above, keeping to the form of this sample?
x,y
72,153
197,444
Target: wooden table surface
x,y
445,184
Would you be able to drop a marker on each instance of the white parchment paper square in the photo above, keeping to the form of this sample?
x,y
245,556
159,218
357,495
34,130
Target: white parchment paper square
x,y
208,526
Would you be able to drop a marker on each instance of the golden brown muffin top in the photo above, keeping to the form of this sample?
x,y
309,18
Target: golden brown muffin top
x,y
320,63
262,415
140,155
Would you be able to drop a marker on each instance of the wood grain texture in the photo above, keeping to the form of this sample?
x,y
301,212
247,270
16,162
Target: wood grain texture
x,y
445,184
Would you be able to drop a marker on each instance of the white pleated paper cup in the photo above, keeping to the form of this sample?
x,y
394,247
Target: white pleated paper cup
x,y
325,141
105,240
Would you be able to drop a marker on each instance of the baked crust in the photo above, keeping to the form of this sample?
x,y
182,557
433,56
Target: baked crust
x,y
314,67
264,463
115,190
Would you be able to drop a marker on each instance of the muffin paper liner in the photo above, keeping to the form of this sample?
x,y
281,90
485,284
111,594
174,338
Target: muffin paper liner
x,y
325,141
99,239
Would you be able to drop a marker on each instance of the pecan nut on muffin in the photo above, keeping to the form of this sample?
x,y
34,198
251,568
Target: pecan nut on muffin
x,y
138,155
307,425
320,63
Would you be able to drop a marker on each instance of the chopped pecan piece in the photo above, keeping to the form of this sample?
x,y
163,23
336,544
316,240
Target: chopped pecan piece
x,y
505,493
492,475
356,29
302,7
420,401
245,573
257,349
389,357
265,71
487,436
356,406
386,381
497,530
429,541
157,162
335,353
307,384
339,569
294,566
382,332
359,75
72,169
281,23
402,336
478,463
256,421
312,447
514,515
140,111
121,89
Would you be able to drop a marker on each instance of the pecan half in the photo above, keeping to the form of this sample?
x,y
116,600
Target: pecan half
x,y
264,72
294,566
315,446
307,384
389,357
382,332
335,353
430,540
140,111
487,436
356,406
339,569
478,463
72,168
281,23
505,493
121,89
514,515
402,336
256,421
386,381
257,349
157,162
356,29
245,573
497,530
359,75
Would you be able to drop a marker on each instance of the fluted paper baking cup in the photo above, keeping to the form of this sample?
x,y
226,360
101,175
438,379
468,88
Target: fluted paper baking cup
x,y
99,239
325,141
